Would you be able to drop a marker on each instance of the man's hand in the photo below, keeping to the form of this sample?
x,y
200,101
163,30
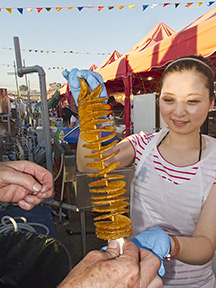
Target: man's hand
x,y
133,269
24,182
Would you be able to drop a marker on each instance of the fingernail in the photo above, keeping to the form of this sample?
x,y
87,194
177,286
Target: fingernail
x,y
43,195
30,199
113,244
37,187
23,203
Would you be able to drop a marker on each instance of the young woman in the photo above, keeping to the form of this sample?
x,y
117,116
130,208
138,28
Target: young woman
x,y
174,187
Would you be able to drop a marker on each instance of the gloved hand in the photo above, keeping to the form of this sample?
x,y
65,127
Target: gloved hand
x,y
157,241
92,78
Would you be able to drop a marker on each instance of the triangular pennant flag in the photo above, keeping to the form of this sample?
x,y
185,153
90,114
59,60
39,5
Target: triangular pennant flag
x,y
29,10
39,10
176,5
20,10
199,3
131,6
48,9
100,8
188,4
210,3
120,7
154,5
47,52
9,10
80,8
30,50
71,51
41,51
165,4
144,7
0,9
58,9
110,7
36,51
69,8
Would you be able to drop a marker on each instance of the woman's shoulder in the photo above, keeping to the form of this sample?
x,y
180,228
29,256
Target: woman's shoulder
x,y
210,151
141,138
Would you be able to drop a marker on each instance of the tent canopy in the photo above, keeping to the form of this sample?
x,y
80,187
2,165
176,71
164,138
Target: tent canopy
x,y
110,59
158,33
196,38
93,67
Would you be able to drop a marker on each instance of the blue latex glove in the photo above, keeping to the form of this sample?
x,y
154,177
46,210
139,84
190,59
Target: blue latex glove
x,y
92,78
157,241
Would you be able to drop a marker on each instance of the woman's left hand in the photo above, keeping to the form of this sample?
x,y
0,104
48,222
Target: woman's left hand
x,y
157,241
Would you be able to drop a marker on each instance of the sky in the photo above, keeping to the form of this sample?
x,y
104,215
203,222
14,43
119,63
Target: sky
x,y
88,32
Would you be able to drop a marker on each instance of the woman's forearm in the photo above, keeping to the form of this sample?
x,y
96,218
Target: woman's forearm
x,y
195,250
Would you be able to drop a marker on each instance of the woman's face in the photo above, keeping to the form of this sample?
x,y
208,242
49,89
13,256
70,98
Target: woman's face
x,y
184,101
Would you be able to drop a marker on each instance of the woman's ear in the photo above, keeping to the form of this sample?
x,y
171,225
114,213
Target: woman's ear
x,y
211,104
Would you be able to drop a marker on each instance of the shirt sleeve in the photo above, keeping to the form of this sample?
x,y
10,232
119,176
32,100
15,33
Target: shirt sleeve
x,y
139,143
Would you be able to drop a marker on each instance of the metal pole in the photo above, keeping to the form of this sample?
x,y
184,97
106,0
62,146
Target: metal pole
x,y
17,101
44,106
28,96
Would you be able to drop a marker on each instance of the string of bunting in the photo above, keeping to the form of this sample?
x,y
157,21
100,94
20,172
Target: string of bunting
x,y
99,8
54,51
46,68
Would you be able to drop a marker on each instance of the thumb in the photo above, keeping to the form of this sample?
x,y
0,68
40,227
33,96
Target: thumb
x,y
113,249
21,179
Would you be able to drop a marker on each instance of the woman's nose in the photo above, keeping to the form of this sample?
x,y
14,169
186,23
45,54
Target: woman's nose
x,y
180,109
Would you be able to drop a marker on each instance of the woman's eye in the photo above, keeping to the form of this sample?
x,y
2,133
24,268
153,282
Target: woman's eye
x,y
193,101
168,100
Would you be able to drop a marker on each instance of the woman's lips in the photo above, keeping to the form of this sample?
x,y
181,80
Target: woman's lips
x,y
179,123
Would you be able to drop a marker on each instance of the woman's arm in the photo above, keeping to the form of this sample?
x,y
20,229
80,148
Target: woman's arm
x,y
200,248
125,156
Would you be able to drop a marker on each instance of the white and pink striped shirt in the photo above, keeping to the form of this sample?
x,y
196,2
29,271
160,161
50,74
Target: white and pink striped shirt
x,y
171,197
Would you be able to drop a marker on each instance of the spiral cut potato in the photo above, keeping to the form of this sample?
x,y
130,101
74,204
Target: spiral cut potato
x,y
108,190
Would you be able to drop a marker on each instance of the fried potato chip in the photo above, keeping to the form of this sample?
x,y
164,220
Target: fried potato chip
x,y
97,183
110,195
93,107
110,215
114,176
108,169
112,186
119,221
112,208
102,160
104,181
92,146
109,201
114,235
84,89
92,101
91,125
92,116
